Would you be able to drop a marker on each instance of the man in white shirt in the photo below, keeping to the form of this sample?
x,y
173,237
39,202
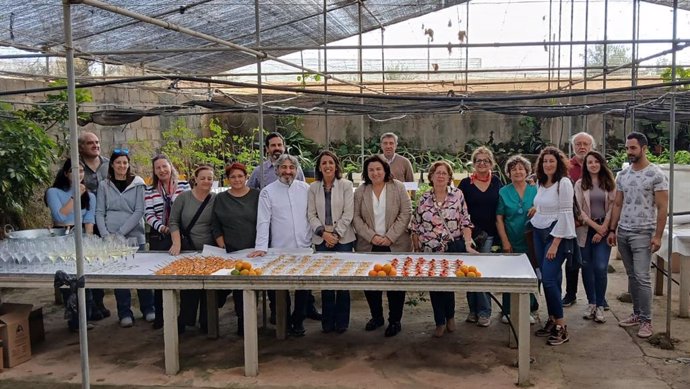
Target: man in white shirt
x,y
283,212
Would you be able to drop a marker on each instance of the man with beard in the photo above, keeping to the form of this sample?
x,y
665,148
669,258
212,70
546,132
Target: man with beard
x,y
637,224
275,147
582,143
283,213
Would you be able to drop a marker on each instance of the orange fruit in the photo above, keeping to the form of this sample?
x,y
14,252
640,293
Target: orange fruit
x,y
471,274
460,273
464,268
244,272
382,273
246,265
252,273
373,273
478,274
472,268
258,271
378,267
387,268
393,273
238,265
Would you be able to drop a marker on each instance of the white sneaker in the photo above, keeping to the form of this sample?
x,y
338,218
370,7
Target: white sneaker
x,y
599,315
588,314
126,322
504,319
532,318
150,317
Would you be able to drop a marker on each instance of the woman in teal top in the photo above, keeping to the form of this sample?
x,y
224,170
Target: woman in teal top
x,y
515,202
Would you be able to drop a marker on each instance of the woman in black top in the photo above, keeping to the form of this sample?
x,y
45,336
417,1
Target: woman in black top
x,y
234,222
481,195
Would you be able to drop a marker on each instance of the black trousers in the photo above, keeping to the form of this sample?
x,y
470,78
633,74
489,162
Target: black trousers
x,y
396,299
301,305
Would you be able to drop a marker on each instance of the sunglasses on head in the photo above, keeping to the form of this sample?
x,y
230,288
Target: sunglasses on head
x,y
121,151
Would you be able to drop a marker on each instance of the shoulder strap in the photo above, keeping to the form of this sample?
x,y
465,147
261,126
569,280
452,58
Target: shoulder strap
x,y
187,230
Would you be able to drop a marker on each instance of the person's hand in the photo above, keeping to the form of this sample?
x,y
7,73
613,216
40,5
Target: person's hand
x,y
82,189
175,249
551,253
597,238
601,229
377,240
531,212
471,249
386,241
330,239
256,253
507,248
655,244
165,230
611,238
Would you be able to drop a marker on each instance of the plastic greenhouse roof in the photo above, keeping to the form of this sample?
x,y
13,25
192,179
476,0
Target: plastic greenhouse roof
x,y
37,25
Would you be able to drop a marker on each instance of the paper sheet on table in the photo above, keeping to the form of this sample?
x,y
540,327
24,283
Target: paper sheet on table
x,y
681,219
411,185
212,250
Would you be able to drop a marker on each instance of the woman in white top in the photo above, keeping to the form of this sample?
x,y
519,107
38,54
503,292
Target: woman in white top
x,y
554,235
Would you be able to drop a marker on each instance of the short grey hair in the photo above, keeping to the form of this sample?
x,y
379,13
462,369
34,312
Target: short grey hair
x,y
287,157
389,135
582,133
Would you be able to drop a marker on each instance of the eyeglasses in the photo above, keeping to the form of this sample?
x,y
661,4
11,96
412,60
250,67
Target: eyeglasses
x,y
121,151
485,161
441,174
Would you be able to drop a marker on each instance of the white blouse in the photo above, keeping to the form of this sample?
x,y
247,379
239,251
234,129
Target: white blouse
x,y
555,204
379,211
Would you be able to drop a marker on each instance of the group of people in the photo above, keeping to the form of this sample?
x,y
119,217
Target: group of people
x,y
569,211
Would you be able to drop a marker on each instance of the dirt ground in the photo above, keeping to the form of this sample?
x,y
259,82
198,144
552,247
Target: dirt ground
x,y
597,354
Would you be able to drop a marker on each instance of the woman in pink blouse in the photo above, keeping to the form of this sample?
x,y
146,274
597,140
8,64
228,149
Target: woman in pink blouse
x,y
441,223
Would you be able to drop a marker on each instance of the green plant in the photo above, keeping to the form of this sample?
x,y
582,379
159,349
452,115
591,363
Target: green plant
x,y
54,112
682,74
25,159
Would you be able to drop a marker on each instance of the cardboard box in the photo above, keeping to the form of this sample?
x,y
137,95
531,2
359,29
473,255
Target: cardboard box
x,y
37,332
15,333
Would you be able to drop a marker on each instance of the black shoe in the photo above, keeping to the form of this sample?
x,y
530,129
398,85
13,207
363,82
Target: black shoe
x,y
393,329
314,315
547,330
569,301
606,305
297,330
373,324
157,324
340,330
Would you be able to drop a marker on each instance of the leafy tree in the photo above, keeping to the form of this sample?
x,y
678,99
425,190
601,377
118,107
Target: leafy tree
x,y
682,74
25,159
616,55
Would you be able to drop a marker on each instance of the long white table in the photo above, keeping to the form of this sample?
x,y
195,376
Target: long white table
x,y
500,274
681,246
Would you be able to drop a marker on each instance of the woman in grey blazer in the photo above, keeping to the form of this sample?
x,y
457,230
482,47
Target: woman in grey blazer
x,y
330,217
381,217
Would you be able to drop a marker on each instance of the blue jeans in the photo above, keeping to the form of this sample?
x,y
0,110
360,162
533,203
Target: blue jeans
x,y
123,297
335,304
595,266
551,271
480,302
637,257
124,302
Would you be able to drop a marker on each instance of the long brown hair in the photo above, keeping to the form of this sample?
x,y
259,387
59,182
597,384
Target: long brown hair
x,y
605,176
561,165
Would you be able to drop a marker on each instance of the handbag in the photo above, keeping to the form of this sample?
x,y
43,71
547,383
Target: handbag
x,y
479,237
187,242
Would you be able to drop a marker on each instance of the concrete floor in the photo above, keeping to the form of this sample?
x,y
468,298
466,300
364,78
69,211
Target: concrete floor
x,y
597,355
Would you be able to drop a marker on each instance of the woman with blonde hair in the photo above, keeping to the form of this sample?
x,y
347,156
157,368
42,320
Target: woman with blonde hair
x,y
481,194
